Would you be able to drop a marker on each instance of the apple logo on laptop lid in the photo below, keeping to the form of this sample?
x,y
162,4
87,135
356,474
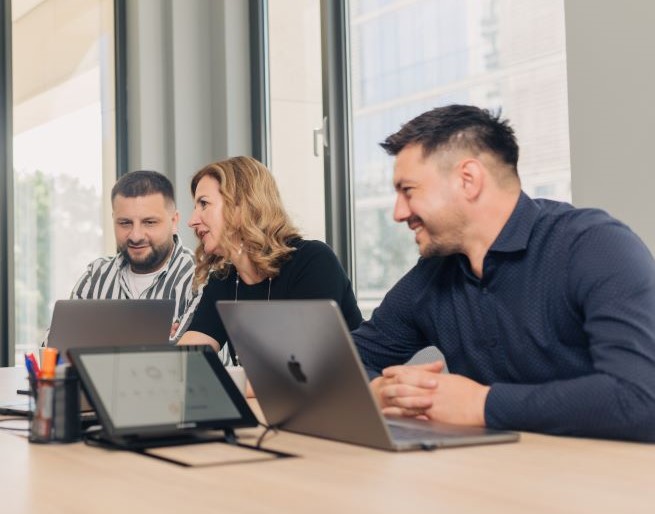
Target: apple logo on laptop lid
x,y
296,370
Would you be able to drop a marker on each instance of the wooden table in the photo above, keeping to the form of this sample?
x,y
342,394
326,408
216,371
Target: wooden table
x,y
539,474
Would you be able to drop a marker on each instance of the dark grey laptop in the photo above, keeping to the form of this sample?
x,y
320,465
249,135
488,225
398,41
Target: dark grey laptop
x,y
95,323
88,323
304,368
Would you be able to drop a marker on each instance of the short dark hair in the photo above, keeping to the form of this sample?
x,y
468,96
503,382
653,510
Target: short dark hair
x,y
143,183
463,126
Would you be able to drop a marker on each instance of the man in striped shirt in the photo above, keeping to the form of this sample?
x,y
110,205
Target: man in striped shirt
x,y
151,262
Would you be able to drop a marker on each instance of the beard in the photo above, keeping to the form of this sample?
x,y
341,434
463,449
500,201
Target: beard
x,y
438,248
444,240
150,262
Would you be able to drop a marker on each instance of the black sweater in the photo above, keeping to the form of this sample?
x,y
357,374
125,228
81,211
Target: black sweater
x,y
312,272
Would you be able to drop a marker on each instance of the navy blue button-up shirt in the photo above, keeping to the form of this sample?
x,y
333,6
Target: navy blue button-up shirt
x,y
561,325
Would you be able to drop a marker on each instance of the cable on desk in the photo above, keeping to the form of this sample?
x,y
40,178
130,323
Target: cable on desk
x,y
267,429
14,429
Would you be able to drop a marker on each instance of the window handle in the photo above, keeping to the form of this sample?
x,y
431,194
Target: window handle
x,y
323,132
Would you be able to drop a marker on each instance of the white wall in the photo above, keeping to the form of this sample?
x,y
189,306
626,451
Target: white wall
x,y
188,88
611,84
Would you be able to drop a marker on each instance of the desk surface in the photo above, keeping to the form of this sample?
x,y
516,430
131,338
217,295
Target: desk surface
x,y
539,474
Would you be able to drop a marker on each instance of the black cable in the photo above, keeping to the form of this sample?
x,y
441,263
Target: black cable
x,y
267,429
14,429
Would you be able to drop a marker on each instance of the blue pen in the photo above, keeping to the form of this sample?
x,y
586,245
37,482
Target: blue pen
x,y
30,369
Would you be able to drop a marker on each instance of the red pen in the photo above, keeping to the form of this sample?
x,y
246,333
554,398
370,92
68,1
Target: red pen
x,y
35,364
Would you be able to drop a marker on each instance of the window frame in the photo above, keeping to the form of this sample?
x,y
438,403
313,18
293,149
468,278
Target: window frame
x,y
6,185
7,310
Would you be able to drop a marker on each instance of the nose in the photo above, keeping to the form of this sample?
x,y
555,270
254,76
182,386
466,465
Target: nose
x,y
137,232
401,209
194,220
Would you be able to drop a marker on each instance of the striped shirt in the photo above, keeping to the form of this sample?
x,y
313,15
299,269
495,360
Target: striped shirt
x,y
106,278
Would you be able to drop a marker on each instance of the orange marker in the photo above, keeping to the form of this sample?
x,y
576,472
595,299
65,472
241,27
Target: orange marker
x,y
49,363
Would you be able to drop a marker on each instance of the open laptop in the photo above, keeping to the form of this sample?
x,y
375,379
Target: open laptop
x,y
91,323
87,323
305,370
150,396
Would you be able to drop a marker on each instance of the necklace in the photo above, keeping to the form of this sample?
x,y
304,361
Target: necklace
x,y
236,288
231,355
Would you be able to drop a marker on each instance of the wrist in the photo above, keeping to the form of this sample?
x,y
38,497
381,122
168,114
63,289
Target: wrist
x,y
484,392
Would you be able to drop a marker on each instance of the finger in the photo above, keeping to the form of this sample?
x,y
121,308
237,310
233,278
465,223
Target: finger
x,y
394,390
421,403
392,371
436,366
392,398
392,411
417,378
408,413
174,328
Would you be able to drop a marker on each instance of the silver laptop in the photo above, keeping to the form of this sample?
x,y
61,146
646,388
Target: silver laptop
x,y
305,370
99,323
90,323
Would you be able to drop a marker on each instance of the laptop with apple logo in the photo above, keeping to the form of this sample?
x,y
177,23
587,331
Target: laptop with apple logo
x,y
308,378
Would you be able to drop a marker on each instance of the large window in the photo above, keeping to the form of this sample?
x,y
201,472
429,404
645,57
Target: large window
x,y
296,110
63,151
410,56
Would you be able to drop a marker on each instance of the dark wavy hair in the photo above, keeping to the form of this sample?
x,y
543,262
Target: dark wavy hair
x,y
458,126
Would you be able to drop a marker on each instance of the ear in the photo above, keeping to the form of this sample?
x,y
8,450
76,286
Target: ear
x,y
175,220
472,175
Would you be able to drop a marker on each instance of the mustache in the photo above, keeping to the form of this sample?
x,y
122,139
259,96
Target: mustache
x,y
131,243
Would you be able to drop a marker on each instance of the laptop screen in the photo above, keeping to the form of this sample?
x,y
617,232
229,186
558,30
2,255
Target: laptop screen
x,y
159,389
88,323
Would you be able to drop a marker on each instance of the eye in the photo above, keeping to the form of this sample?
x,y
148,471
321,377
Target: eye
x,y
124,223
149,223
203,204
407,190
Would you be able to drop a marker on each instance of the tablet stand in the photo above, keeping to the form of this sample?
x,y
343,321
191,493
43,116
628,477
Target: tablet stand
x,y
226,436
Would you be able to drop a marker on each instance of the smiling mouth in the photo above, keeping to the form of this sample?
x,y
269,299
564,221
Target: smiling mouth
x,y
415,224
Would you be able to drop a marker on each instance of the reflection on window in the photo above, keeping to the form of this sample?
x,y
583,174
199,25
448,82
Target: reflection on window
x,y
62,73
410,56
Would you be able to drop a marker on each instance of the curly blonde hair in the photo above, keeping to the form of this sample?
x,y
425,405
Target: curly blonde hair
x,y
253,214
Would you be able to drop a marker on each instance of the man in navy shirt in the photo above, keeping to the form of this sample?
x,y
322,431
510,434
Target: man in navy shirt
x,y
545,313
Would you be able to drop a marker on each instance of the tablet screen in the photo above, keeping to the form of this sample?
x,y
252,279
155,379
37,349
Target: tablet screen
x,y
160,389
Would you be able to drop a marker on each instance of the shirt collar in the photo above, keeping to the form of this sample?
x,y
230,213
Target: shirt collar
x,y
515,234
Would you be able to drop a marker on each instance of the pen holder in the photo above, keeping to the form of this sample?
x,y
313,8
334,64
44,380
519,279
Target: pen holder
x,y
55,406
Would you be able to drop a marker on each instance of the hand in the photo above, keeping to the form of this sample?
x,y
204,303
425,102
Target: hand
x,y
459,400
409,388
455,399
174,327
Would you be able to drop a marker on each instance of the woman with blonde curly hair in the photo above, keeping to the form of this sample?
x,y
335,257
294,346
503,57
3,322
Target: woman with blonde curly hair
x,y
250,250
